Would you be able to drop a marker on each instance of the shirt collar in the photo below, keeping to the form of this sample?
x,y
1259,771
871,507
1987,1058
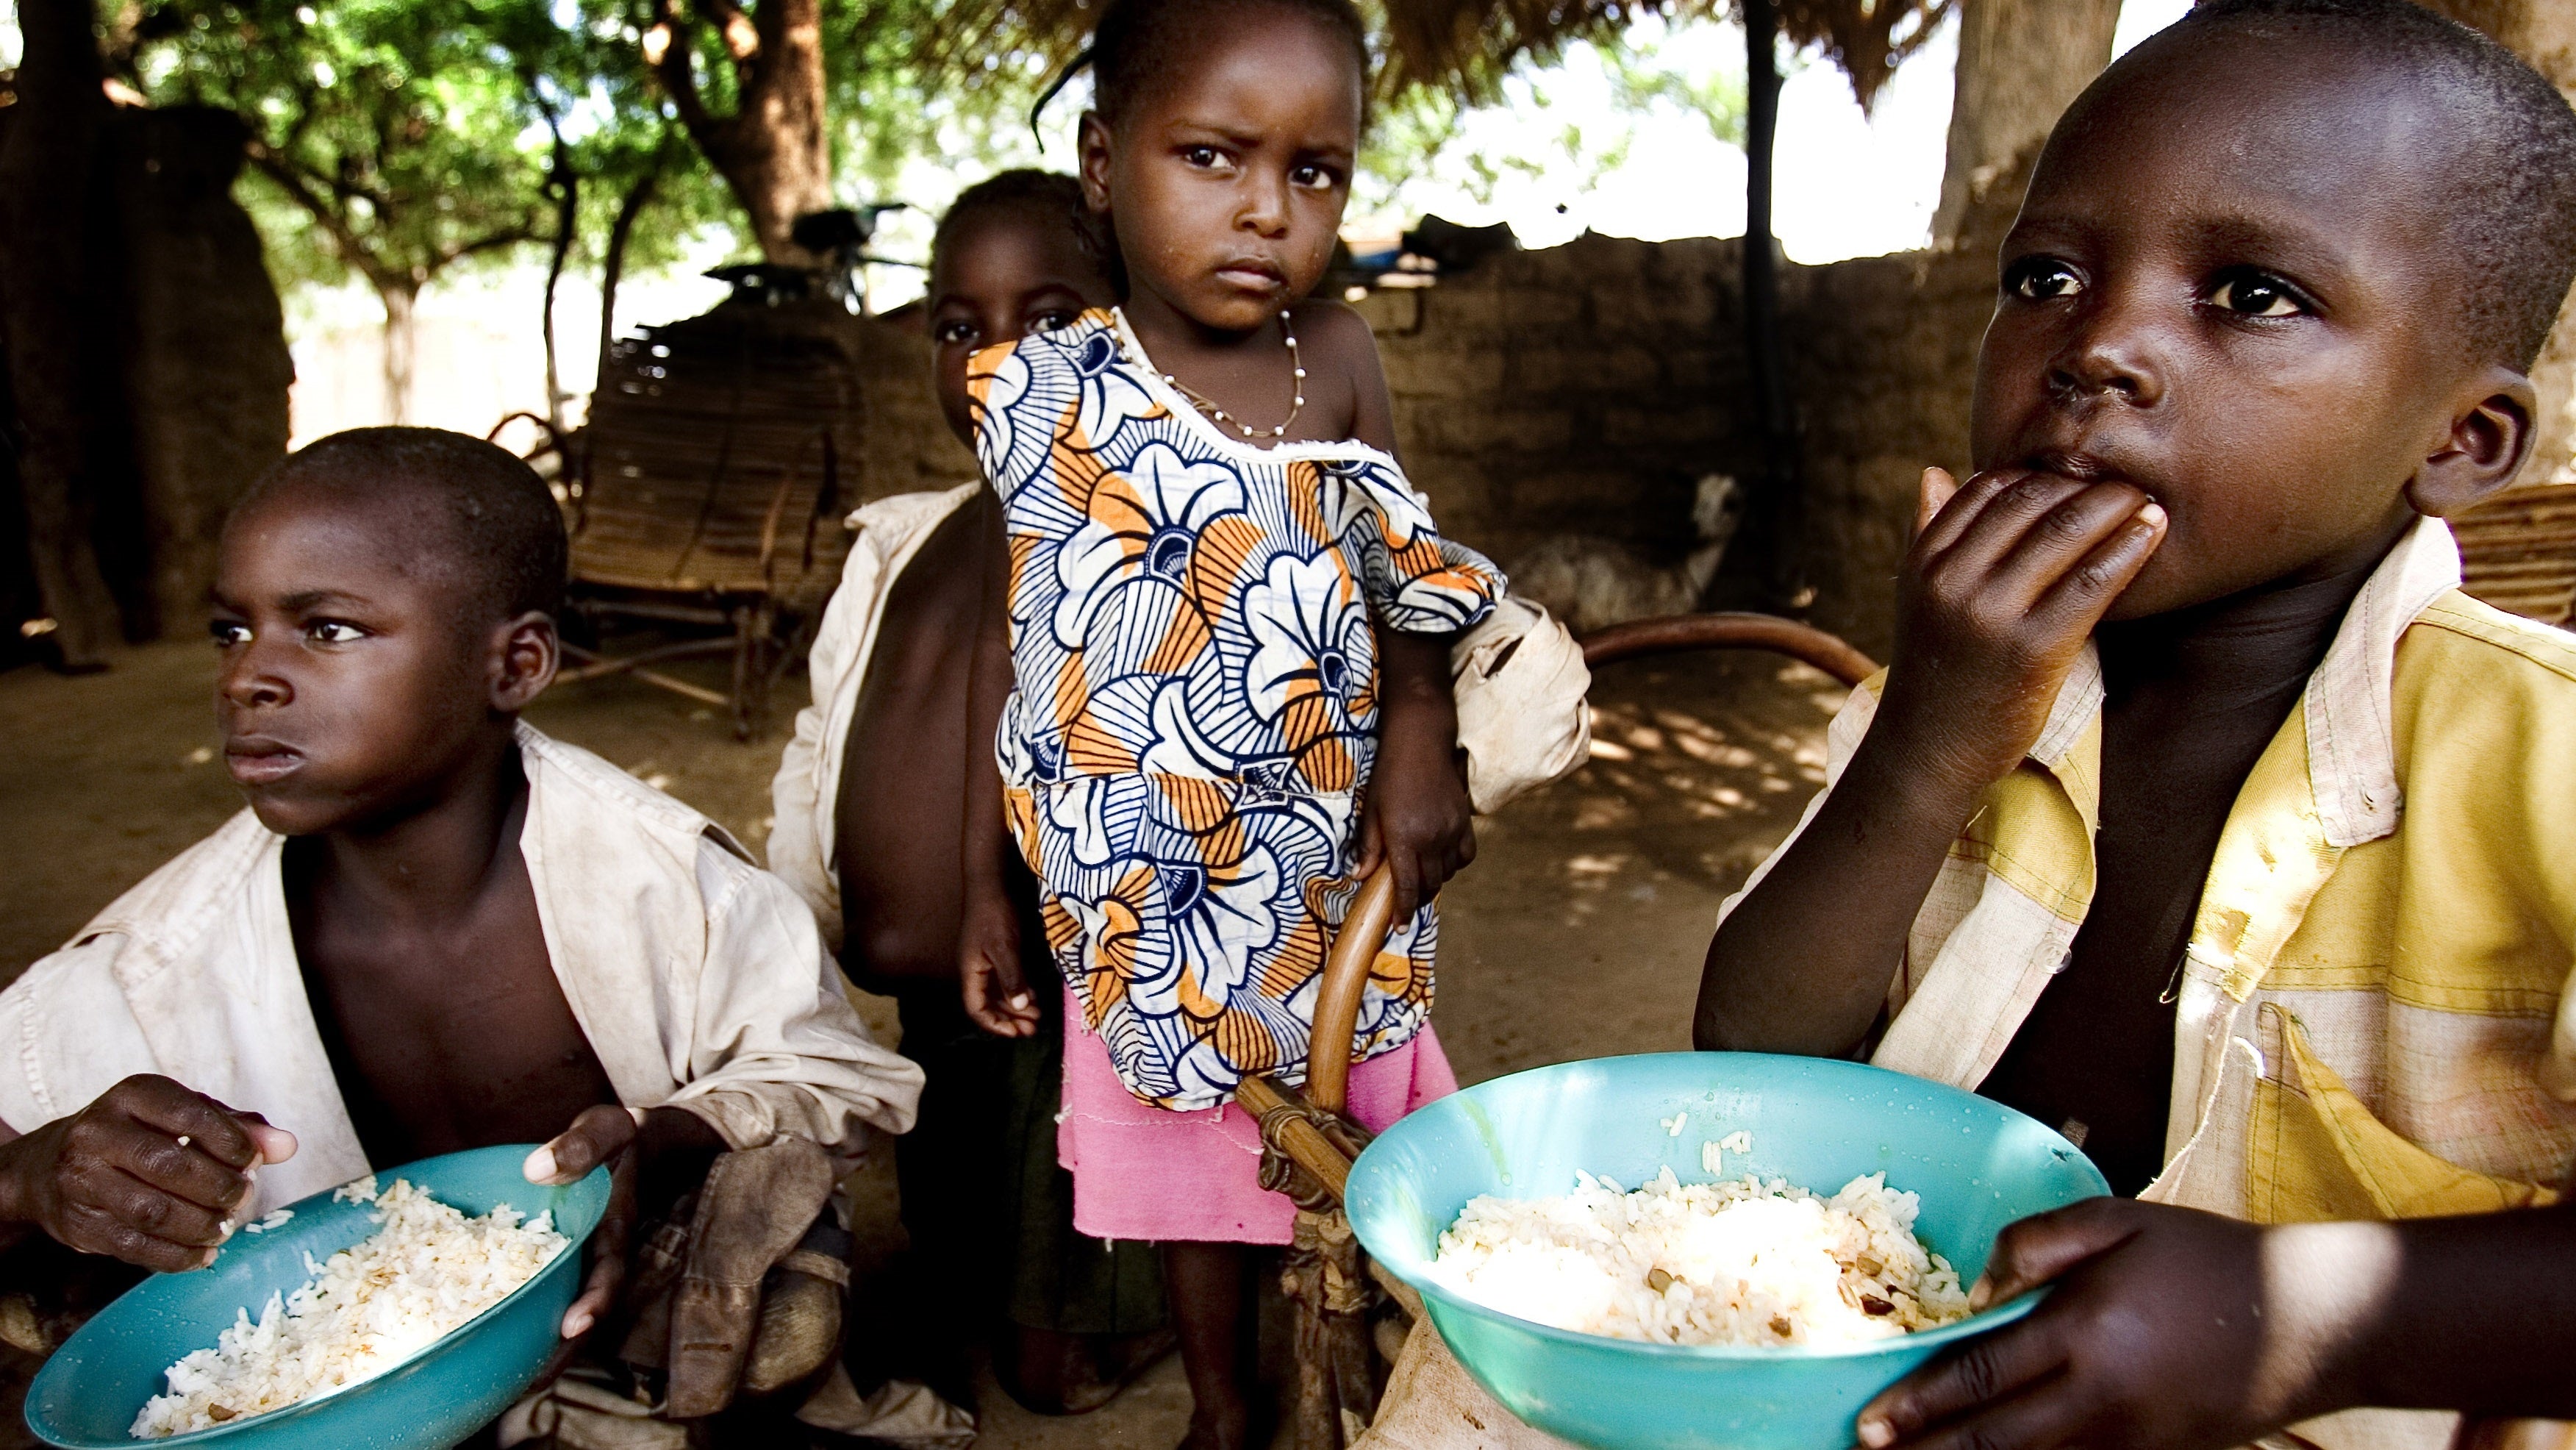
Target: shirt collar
x,y
2352,740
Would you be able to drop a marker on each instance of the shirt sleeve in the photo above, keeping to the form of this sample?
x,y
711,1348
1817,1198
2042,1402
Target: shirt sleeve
x,y
1020,395
779,1050
67,1034
1416,580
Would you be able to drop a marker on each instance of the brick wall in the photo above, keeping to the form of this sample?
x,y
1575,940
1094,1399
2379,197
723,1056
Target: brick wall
x,y
1586,387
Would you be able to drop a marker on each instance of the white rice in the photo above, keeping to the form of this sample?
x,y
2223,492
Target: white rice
x,y
373,1306
1742,1262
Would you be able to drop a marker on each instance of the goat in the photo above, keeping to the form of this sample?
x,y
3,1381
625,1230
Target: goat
x,y
1592,582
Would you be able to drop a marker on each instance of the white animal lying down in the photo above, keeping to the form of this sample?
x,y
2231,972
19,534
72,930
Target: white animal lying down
x,y
1592,583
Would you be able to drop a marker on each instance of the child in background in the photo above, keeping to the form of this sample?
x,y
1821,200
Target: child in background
x,y
2200,814
870,799
1228,630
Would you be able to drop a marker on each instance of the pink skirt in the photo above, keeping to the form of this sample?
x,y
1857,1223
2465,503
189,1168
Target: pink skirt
x,y
1144,1173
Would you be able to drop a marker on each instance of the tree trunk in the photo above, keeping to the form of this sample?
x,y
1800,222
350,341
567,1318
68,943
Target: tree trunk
x,y
1777,499
2021,62
63,330
775,150
2542,32
402,341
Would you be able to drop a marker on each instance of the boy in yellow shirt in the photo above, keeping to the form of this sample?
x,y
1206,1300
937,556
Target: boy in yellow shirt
x,y
2200,815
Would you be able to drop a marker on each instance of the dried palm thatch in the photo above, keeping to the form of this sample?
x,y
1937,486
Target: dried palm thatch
x,y
1467,47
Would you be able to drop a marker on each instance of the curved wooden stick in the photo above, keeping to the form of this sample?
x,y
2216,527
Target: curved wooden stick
x,y
1673,632
1337,995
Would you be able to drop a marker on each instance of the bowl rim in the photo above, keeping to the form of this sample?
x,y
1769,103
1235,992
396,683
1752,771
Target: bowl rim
x,y
385,1177
1422,1282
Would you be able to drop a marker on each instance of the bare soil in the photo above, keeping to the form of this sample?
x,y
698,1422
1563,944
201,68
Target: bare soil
x,y
1577,933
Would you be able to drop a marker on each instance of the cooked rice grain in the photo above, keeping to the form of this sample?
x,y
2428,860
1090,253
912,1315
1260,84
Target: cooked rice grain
x,y
1740,1262
377,1303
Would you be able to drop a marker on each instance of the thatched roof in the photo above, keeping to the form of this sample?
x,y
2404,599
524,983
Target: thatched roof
x,y
1468,46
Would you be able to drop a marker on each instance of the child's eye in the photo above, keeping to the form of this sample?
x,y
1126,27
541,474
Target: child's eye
x,y
332,631
1203,157
954,331
1320,177
2042,279
228,632
2256,294
1053,320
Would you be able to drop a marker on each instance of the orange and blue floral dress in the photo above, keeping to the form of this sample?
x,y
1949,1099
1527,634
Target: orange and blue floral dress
x,y
1192,631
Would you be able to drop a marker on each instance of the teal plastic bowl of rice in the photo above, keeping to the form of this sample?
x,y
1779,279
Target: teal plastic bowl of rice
x,y
90,1392
1975,1166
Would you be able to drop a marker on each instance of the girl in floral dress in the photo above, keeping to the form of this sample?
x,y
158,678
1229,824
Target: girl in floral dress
x,y
1219,662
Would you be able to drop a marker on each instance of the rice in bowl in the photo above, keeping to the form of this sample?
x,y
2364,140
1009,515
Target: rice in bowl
x,y
424,1272
1743,1262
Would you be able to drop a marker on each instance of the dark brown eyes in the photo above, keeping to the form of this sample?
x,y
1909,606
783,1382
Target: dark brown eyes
x,y
2256,294
2041,279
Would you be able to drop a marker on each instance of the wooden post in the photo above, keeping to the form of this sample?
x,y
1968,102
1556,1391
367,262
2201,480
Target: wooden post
x,y
1778,501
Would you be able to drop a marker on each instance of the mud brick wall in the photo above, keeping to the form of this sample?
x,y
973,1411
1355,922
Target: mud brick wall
x,y
1585,388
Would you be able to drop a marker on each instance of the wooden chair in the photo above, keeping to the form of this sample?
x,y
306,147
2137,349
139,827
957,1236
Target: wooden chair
x,y
1350,1312
707,492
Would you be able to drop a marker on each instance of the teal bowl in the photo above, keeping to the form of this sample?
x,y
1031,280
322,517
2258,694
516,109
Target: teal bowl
x,y
1818,1123
89,1392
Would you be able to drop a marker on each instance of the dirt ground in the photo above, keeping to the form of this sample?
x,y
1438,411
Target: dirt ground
x,y
1577,933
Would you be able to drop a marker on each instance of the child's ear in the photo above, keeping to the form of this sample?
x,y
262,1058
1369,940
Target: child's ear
x,y
1091,150
525,655
2489,439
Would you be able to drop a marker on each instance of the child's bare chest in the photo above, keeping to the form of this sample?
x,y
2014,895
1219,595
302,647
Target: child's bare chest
x,y
447,1035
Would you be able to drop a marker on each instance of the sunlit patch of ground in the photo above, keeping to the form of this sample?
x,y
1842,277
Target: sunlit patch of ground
x,y
1579,931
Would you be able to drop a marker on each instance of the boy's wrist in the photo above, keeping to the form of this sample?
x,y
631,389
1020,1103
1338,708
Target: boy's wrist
x,y
2325,1287
1912,788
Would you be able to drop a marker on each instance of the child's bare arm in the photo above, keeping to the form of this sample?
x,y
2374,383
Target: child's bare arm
x,y
988,938
2182,1330
2006,579
1417,817
147,1173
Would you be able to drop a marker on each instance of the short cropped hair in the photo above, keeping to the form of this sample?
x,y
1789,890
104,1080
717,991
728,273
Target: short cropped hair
x,y
504,532
1137,42
2514,219
1037,193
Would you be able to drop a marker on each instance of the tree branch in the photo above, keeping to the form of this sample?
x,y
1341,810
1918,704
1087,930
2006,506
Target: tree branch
x,y
352,248
506,237
677,72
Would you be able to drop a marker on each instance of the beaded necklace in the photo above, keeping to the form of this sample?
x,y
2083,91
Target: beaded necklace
x,y
1297,391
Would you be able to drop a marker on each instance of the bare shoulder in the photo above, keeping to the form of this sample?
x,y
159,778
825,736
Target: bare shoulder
x,y
1336,333
1341,353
